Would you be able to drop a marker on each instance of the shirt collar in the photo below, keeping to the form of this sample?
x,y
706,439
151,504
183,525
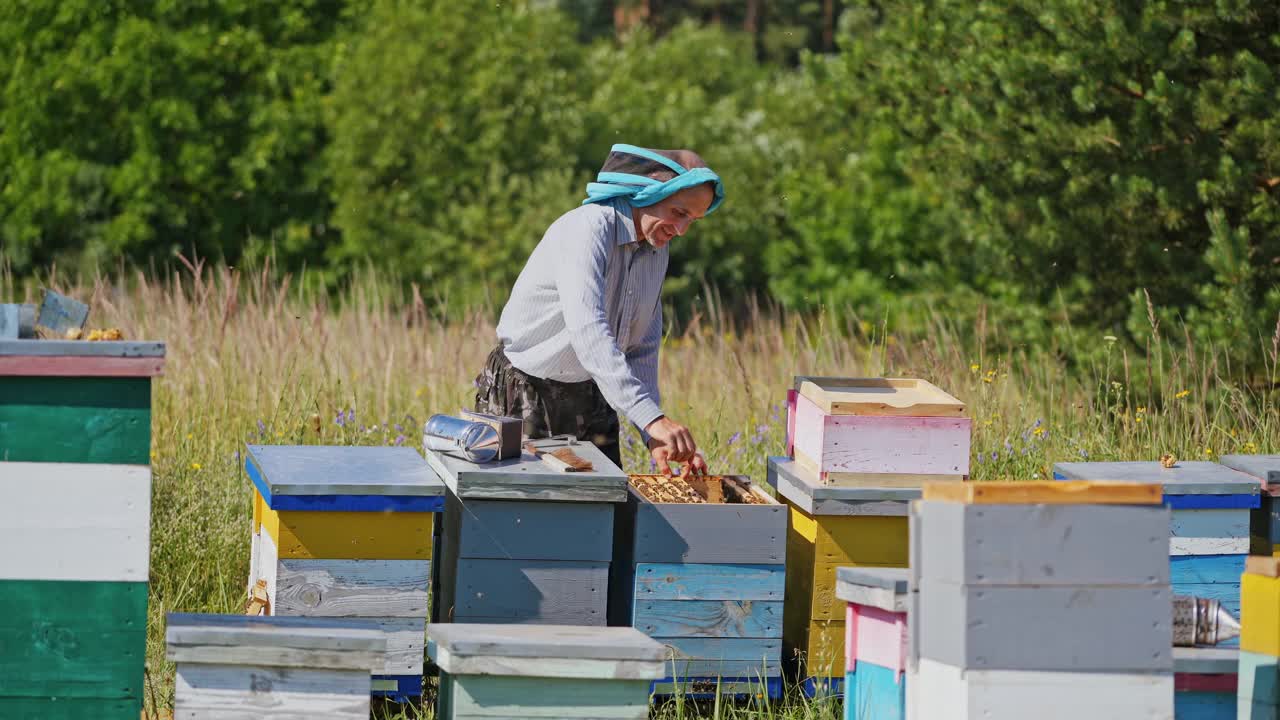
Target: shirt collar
x,y
628,233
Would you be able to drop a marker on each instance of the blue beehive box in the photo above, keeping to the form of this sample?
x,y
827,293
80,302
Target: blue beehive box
x,y
1264,522
1209,526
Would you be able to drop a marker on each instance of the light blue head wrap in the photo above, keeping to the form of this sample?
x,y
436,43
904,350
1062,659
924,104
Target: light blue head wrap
x,y
642,191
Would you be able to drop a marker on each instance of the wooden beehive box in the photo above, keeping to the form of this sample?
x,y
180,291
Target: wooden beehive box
x,y
543,671
877,432
1209,526
830,527
706,579
1258,694
75,521
235,666
875,641
524,543
1264,521
1205,682
344,531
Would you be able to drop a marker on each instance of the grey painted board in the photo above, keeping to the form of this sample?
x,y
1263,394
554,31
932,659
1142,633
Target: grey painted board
x,y
549,591
309,633
545,641
915,528
366,661
1262,467
520,698
528,478
803,488
710,533
17,321
1045,544
228,692
1259,677
344,470
1187,477
349,588
505,529
884,588
82,348
1083,628
709,618
1206,660
514,665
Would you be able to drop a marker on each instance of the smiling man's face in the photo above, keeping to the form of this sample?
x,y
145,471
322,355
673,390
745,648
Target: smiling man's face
x,y
661,222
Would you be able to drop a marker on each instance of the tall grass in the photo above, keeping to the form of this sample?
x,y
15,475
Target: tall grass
x,y
255,359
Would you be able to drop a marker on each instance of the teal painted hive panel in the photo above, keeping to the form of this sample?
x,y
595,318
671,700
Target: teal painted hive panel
x,y
75,419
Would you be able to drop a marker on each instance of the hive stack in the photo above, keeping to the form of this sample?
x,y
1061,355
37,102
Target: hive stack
x,y
231,667
862,448
75,522
1264,521
875,642
523,542
547,671
1259,688
1204,683
1047,600
1209,526
706,579
346,532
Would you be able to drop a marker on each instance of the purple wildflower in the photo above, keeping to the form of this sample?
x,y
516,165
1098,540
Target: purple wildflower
x,y
262,429
735,438
762,429
235,458
351,414
981,456
340,420
399,440
399,428
994,456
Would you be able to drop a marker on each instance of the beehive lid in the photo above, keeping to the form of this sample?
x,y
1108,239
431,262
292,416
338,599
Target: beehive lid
x,y
803,488
885,588
1206,660
81,358
570,642
1184,478
529,478
1062,492
879,396
305,470
1263,467
337,643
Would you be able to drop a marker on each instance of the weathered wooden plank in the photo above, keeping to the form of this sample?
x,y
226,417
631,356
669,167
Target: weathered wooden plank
x,y
712,533
1209,532
1080,492
757,650
63,366
549,591
1045,544
1206,660
799,591
528,478
232,692
874,693
365,661
61,707
17,321
1265,468
945,691
894,445
350,535
876,541
488,696
541,641
1082,628
824,656
72,639
579,668
504,529
1184,478
679,581
684,667
281,470
299,633
871,480
884,588
81,420
878,396
1201,569
827,605
74,521
81,348
803,488
352,588
406,644
709,618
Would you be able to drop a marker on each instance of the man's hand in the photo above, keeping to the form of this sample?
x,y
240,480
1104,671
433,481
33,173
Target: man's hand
x,y
676,437
661,455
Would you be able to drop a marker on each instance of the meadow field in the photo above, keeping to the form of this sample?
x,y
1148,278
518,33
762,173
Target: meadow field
x,y
252,359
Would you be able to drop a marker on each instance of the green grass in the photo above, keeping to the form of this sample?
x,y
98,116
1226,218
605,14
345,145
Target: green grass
x,y
254,360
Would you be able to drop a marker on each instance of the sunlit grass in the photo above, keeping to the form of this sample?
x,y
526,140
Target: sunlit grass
x,y
253,359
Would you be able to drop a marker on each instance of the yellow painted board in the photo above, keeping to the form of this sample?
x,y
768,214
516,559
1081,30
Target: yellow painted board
x,y
1265,565
824,653
1260,614
824,605
258,505
1065,492
866,540
350,535
846,479
879,396
799,586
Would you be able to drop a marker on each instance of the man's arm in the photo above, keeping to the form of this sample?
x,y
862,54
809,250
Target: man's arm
x,y
644,362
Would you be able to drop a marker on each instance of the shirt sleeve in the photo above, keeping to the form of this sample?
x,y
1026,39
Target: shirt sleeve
x,y
580,281
644,362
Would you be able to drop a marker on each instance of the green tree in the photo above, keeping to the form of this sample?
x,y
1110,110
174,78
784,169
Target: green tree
x,y
137,129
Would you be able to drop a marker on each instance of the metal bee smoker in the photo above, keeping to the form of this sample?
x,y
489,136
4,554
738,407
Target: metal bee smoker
x,y
476,442
1201,621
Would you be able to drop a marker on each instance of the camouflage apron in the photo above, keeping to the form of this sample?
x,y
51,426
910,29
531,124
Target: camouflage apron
x,y
548,407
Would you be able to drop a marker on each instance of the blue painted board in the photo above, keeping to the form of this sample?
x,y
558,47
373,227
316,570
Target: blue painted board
x,y
1212,502
1186,477
680,581
709,618
1197,569
408,687
342,503
875,693
537,530
760,650
341,470
704,688
1246,710
1204,706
